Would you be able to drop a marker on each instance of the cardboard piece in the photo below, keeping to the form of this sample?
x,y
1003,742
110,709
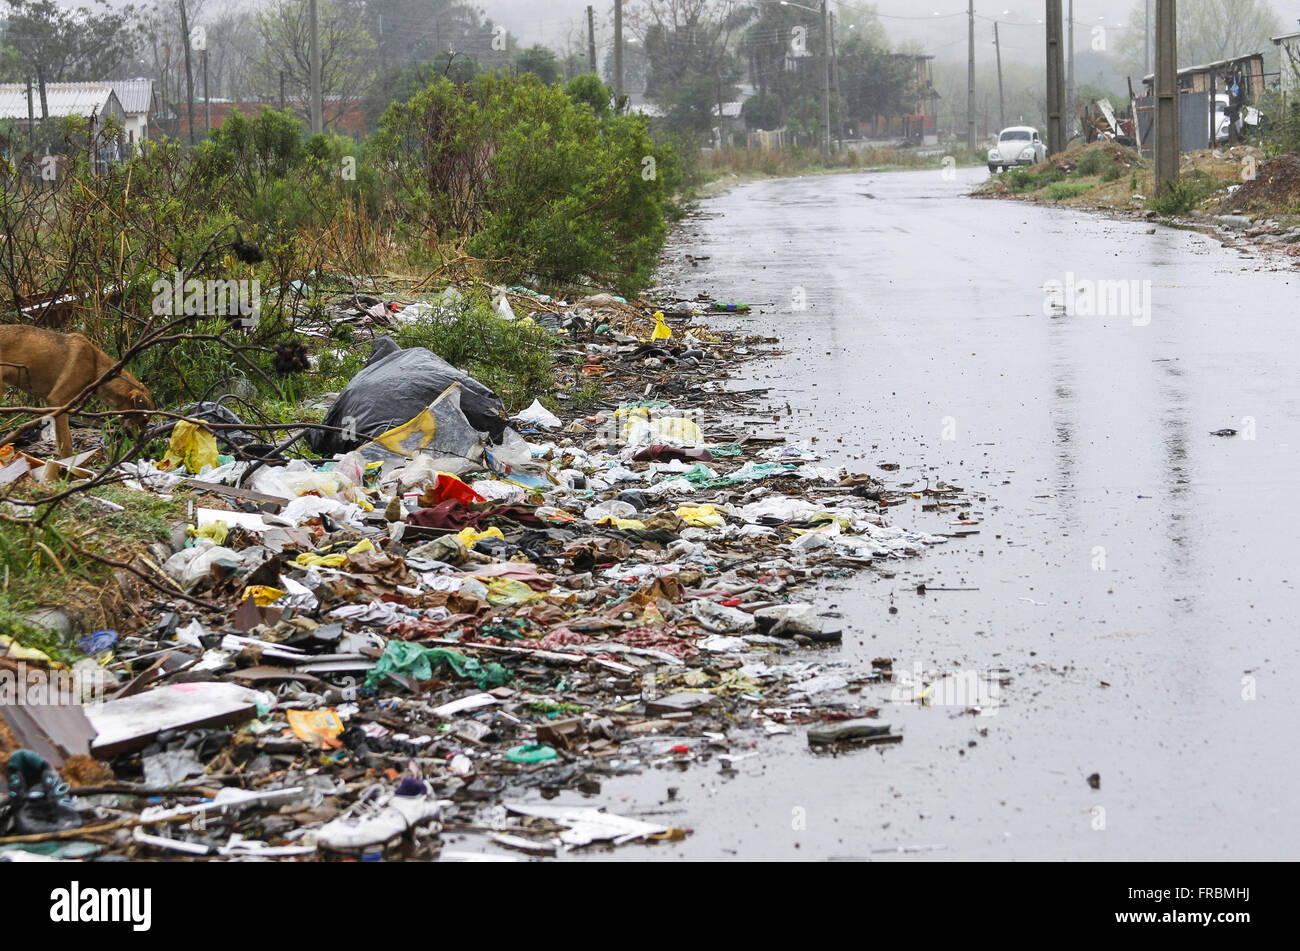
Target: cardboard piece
x,y
132,722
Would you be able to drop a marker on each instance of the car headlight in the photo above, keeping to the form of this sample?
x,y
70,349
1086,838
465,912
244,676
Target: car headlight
x,y
1027,153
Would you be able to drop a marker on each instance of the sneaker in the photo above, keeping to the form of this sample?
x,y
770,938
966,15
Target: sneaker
x,y
415,801
368,821
39,799
378,816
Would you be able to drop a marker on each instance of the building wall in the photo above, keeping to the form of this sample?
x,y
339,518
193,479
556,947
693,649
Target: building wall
x,y
1290,50
351,122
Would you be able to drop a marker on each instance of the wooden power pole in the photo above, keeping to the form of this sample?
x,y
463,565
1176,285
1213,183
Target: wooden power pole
x,y
1002,100
618,50
1070,107
970,78
189,71
317,105
1166,86
826,80
1055,79
207,99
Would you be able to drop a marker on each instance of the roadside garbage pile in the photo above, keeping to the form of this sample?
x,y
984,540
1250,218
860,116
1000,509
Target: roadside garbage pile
x,y
461,616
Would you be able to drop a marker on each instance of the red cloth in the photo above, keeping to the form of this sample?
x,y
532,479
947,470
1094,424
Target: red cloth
x,y
651,453
449,487
449,515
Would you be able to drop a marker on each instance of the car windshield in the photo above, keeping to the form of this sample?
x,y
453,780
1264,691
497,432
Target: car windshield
x,y
1015,135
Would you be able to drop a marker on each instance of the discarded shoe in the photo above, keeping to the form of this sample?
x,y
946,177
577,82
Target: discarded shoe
x,y
38,798
416,802
378,816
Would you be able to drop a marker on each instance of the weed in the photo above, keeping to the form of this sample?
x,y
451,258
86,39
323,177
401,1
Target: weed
x,y
1062,191
514,358
1180,197
1092,162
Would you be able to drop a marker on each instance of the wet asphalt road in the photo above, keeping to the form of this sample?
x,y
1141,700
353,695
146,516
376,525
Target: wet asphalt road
x,y
1137,576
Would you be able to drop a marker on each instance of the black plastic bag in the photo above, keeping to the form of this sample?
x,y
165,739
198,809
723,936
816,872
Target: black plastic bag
x,y
393,388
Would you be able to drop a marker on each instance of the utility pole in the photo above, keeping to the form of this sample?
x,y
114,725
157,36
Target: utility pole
x,y
591,39
835,81
317,106
970,80
1146,41
618,50
189,71
826,79
1002,102
40,91
1166,86
1069,81
1055,79
31,116
207,100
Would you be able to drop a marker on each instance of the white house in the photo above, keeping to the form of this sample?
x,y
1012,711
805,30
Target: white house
x,y
137,99
94,102
1289,46
89,100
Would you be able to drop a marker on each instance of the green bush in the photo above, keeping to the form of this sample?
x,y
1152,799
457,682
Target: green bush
x,y
1093,162
1113,173
1062,191
1023,180
588,89
515,358
281,179
1182,196
532,178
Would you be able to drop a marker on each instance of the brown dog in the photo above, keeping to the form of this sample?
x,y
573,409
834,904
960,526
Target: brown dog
x,y
53,368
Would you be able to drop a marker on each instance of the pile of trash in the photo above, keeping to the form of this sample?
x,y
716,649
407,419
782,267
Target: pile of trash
x,y
1275,185
460,617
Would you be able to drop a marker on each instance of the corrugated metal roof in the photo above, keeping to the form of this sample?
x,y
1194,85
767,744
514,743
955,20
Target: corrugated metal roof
x,y
135,95
62,99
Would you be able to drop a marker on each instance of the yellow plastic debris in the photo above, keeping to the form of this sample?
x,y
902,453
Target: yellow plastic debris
x,y
625,524
506,592
262,594
310,560
321,727
9,647
701,516
192,447
636,427
217,531
336,560
662,331
677,429
469,537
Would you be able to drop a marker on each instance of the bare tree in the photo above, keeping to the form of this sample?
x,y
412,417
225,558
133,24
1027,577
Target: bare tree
x,y
347,53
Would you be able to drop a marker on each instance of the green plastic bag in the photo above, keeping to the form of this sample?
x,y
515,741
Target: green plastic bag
x,y
403,657
531,753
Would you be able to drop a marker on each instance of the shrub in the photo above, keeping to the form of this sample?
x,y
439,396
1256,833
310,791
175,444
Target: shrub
x,y
1182,196
1061,191
1093,162
532,179
515,358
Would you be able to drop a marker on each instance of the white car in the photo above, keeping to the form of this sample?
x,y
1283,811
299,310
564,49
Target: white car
x,y
1018,145
1248,121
